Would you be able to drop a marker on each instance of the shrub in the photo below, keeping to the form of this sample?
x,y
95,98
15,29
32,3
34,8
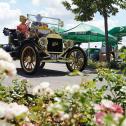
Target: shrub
x,y
70,106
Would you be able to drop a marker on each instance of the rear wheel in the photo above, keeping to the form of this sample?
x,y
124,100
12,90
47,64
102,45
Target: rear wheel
x,y
78,59
29,59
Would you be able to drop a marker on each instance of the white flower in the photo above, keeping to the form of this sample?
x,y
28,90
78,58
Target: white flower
x,y
5,123
36,90
27,119
49,91
9,115
107,103
8,68
3,107
65,117
57,106
72,89
44,85
50,108
9,111
75,88
5,56
57,99
67,88
54,107
16,109
42,89
123,89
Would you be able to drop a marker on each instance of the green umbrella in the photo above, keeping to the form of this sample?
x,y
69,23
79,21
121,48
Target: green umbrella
x,y
84,33
118,31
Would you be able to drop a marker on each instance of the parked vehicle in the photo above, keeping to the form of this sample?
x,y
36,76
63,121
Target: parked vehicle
x,y
43,46
93,53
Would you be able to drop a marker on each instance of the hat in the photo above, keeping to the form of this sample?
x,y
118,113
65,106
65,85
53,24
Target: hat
x,y
38,18
22,18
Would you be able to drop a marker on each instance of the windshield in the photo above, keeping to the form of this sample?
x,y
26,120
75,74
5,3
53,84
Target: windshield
x,y
51,22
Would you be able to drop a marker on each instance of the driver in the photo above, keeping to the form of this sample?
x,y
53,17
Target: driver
x,y
23,26
42,28
38,20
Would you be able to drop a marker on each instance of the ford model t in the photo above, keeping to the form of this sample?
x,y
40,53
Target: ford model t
x,y
43,45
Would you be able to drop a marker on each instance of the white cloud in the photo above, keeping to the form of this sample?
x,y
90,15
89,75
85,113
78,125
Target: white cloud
x,y
51,8
36,2
7,15
8,18
13,1
100,23
55,8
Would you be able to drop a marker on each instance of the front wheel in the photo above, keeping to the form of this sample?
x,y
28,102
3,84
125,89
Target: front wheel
x,y
29,59
77,59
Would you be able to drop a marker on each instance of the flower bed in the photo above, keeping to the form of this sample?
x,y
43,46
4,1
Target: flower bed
x,y
78,105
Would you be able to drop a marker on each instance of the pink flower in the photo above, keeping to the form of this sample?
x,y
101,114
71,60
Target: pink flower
x,y
107,103
99,118
98,107
117,108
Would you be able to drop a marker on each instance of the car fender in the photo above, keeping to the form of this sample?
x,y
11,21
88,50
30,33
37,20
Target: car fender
x,y
74,47
32,42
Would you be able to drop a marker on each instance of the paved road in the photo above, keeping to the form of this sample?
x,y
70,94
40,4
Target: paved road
x,y
54,73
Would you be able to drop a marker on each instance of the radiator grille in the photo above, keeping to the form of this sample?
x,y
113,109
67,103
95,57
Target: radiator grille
x,y
55,45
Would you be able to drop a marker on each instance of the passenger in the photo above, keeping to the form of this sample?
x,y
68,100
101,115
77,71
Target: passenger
x,y
23,27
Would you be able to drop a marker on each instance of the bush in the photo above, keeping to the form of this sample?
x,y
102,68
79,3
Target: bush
x,y
78,105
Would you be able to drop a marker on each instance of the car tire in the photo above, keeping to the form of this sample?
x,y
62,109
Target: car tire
x,y
29,59
76,54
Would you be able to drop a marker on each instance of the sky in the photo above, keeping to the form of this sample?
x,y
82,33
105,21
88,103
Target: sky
x,y
10,10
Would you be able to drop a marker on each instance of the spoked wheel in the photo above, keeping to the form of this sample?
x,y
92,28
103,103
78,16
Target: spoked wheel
x,y
29,59
77,58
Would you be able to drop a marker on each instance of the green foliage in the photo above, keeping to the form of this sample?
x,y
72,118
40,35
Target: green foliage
x,y
75,73
1,46
3,93
122,48
95,65
123,55
74,104
17,93
92,64
84,10
116,84
70,106
123,63
114,64
77,102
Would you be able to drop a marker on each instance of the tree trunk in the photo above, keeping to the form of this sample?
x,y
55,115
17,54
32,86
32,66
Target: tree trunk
x,y
106,37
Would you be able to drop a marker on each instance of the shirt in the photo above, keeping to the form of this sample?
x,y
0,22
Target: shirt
x,y
23,28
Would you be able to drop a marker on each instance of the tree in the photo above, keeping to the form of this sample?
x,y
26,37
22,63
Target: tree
x,y
85,10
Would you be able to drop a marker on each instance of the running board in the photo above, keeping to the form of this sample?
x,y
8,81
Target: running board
x,y
54,61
